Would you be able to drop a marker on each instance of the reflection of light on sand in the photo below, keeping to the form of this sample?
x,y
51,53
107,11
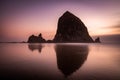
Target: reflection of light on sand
x,y
101,62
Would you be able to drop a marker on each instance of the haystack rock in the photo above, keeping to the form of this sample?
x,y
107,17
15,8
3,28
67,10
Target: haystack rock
x,y
71,29
36,39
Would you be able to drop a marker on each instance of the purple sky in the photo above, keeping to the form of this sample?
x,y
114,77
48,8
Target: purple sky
x,y
21,18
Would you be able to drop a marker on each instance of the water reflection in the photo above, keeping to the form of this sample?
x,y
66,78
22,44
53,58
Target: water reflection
x,y
33,47
70,58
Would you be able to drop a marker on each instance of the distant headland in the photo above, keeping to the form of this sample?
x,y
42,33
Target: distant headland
x,y
70,29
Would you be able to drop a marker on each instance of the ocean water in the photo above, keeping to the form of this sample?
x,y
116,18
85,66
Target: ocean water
x,y
61,61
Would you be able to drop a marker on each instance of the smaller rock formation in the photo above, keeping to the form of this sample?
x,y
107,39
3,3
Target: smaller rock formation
x,y
49,41
97,40
36,39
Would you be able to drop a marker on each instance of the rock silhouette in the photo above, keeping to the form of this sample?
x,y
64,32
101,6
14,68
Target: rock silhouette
x,y
36,39
49,41
71,29
97,40
70,58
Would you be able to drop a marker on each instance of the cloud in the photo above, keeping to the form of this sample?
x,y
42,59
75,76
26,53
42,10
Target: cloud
x,y
113,30
117,26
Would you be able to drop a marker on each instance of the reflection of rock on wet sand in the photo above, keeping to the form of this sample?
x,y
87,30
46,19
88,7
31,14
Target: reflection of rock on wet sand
x,y
33,47
70,57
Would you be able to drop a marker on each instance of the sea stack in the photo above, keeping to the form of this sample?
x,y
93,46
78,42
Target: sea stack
x,y
97,40
36,39
71,29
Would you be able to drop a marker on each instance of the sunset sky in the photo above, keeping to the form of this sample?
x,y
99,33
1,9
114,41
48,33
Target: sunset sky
x,y
21,18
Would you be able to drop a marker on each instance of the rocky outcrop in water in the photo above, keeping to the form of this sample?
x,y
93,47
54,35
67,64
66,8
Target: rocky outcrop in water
x,y
71,29
36,39
97,40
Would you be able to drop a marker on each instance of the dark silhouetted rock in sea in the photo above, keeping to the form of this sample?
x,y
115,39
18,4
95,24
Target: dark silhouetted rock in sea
x,y
36,39
49,41
71,29
97,40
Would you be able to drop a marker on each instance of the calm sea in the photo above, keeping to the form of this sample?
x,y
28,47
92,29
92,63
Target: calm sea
x,y
62,61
